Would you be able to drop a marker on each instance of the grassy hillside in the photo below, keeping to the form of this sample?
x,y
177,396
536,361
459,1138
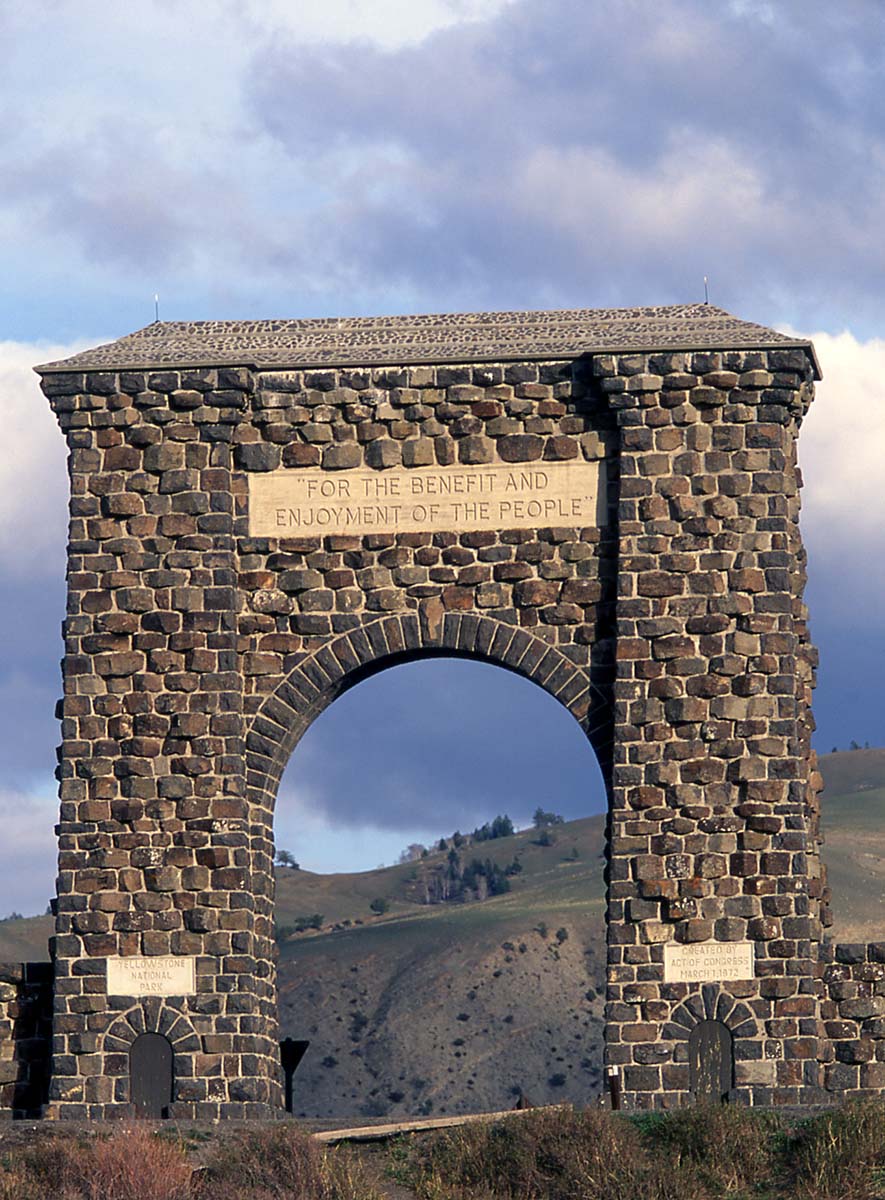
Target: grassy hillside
x,y
452,1007
848,772
26,939
853,809
571,867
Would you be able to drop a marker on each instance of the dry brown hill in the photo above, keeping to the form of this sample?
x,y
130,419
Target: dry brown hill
x,y
451,1007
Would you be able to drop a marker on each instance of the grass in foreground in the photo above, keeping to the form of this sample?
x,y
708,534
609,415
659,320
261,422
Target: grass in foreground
x,y
701,1153
282,1161
136,1163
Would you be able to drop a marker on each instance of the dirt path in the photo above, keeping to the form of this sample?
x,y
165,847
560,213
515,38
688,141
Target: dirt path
x,y
373,1158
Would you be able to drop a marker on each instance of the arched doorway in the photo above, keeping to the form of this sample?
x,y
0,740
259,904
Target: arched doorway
x,y
711,1061
151,1075
472,970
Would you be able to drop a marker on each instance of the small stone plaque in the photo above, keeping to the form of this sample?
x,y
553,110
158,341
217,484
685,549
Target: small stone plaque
x,y
308,501
172,976
708,962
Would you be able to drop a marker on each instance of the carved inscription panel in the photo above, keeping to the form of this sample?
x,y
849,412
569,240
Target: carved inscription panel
x,y
169,976
708,962
310,501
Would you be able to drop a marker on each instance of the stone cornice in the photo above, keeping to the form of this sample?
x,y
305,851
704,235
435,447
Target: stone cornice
x,y
433,338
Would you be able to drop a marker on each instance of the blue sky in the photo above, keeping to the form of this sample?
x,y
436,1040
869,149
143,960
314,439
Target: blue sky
x,y
250,158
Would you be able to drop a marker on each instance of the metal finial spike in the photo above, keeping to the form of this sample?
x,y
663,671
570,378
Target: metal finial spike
x,y
706,292
156,306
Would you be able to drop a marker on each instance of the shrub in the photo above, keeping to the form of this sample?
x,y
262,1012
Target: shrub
x,y
314,921
380,906
136,1164
32,1172
836,1155
133,1163
17,1183
727,1149
546,1155
265,1164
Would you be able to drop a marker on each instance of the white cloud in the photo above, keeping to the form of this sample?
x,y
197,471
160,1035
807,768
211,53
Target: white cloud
x,y
27,819
842,445
34,480
338,155
842,452
386,23
144,169
326,843
651,204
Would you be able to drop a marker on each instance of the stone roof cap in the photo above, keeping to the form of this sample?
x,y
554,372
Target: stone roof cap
x,y
434,338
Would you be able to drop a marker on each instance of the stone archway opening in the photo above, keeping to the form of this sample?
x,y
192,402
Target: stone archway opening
x,y
471,972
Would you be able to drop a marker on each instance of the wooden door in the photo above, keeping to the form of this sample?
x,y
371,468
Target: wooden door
x,y
150,1075
711,1061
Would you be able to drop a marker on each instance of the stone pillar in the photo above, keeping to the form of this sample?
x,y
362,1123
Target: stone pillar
x,y
714,829
154,844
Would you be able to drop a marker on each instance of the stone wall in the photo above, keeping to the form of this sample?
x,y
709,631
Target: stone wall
x,y
853,1012
25,1037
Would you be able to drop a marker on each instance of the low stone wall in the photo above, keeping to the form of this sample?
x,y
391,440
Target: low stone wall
x,y
25,1037
853,1015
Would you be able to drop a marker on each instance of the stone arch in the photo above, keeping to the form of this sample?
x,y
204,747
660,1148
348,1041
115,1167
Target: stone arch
x,y
152,1015
676,572
320,678
354,656
711,1003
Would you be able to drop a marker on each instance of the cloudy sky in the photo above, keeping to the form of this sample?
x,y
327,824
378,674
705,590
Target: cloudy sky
x,y
248,158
